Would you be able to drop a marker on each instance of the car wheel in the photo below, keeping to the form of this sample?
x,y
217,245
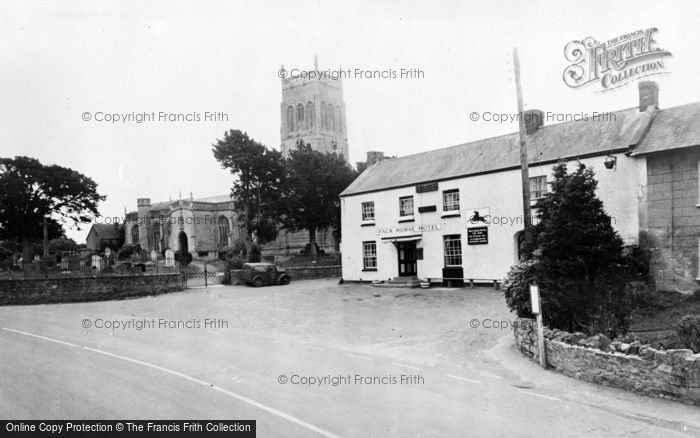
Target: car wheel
x,y
258,282
285,280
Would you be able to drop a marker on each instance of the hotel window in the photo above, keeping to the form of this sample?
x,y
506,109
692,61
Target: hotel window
x,y
406,206
453,250
450,200
538,187
369,255
368,211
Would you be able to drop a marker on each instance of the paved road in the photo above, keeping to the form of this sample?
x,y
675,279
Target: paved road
x,y
52,367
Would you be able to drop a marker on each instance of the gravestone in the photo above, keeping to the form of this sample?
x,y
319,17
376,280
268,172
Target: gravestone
x,y
154,255
169,257
97,262
72,262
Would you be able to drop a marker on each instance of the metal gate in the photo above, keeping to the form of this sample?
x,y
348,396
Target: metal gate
x,y
201,279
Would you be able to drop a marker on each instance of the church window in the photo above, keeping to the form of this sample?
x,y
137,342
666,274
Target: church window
x,y
340,119
324,116
290,119
223,230
310,116
134,234
331,117
156,236
300,117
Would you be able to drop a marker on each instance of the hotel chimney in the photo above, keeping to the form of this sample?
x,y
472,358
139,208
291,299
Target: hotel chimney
x,y
534,118
374,157
648,95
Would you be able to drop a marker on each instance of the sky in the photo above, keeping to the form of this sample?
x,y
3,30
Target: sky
x,y
62,60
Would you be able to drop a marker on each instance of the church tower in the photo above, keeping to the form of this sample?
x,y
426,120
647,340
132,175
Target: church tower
x,y
313,109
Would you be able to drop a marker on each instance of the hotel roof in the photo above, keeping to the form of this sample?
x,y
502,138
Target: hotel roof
x,y
625,130
673,128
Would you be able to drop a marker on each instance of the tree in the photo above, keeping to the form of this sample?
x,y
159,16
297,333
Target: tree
x,y
259,175
311,200
63,245
31,192
576,257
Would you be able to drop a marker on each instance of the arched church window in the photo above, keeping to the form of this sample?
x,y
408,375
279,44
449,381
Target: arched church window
x,y
224,230
300,117
134,234
324,116
290,119
339,119
156,236
310,116
331,117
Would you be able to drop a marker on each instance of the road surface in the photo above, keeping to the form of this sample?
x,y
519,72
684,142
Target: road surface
x,y
310,359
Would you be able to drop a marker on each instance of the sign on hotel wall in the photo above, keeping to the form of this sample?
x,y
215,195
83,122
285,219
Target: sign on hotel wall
x,y
407,229
478,236
478,216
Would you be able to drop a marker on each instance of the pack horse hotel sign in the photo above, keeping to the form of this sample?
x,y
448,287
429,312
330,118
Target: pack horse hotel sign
x,y
616,62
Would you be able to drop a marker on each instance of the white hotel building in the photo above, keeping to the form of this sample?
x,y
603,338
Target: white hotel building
x,y
457,212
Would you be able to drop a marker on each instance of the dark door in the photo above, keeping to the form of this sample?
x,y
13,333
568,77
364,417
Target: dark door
x,y
407,259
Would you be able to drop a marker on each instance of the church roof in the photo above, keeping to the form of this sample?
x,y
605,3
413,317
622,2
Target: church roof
x,y
165,205
218,198
106,231
620,131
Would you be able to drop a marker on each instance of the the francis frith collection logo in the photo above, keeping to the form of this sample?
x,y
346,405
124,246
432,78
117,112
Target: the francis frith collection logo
x,y
615,62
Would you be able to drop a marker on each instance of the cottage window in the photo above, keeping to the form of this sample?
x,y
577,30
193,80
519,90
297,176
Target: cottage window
x,y
450,200
369,255
453,250
368,211
406,206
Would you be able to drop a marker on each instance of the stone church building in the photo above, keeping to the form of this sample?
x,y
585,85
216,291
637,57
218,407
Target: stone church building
x,y
312,110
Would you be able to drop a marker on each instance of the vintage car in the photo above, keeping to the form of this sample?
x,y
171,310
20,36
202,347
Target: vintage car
x,y
259,274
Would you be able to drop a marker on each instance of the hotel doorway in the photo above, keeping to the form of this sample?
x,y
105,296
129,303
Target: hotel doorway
x,y
407,258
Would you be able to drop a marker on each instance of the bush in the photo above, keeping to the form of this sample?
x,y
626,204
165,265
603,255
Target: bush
x,y
255,255
688,332
577,260
183,258
127,251
516,288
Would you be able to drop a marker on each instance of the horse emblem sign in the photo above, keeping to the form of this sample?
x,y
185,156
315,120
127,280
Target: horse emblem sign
x,y
478,216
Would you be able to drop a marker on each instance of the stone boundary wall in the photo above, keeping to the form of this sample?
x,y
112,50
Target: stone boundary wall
x,y
299,272
672,374
81,289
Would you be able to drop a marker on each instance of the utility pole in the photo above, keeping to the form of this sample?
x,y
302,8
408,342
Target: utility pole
x,y
525,176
